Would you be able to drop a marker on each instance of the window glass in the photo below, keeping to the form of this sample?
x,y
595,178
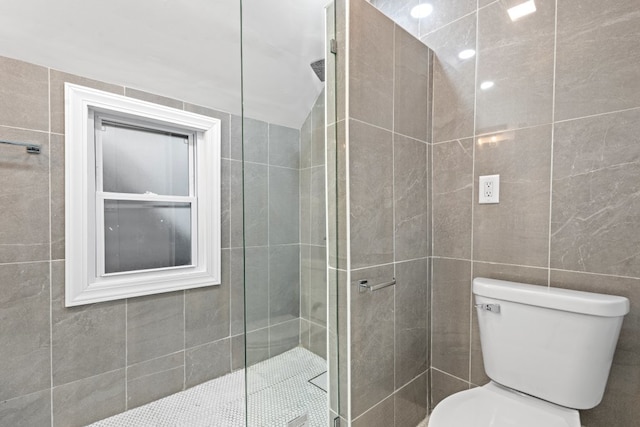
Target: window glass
x,y
146,235
143,161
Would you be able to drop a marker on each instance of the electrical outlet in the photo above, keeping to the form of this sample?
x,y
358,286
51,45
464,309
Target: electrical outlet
x,y
489,189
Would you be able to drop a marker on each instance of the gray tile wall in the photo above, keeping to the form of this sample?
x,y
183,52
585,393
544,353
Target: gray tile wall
x,y
565,108
272,202
72,366
387,142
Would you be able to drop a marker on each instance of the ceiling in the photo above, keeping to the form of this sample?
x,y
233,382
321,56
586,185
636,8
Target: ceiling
x,y
184,49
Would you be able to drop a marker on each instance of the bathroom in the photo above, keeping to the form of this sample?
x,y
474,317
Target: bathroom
x,y
415,129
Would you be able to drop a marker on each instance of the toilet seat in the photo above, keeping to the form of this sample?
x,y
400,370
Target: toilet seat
x,y
496,406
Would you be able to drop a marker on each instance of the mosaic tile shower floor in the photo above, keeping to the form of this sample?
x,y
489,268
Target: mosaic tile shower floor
x,y
279,391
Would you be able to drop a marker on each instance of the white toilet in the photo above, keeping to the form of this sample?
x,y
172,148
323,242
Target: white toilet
x,y
548,352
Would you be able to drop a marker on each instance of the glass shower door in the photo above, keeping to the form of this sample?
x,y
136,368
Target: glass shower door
x,y
287,174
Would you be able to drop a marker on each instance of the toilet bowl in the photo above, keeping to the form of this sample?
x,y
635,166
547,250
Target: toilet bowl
x,y
547,351
496,406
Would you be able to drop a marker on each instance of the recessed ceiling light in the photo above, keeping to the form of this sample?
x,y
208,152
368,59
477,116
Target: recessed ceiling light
x,y
523,9
486,85
422,10
467,53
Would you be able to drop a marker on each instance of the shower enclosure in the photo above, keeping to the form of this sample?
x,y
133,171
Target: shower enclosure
x,y
260,347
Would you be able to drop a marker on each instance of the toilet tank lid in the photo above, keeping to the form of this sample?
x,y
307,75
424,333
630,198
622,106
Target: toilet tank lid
x,y
555,298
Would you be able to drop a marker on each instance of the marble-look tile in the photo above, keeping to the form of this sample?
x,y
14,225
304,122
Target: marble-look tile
x,y
31,410
619,406
83,402
87,340
305,142
235,137
225,125
370,65
305,329
371,190
443,385
154,379
318,131
25,101
535,276
208,361
483,3
237,352
318,284
255,146
518,58
284,283
24,329
372,340
284,206
595,221
225,203
597,51
24,198
411,300
411,86
236,279
155,326
161,364
56,165
305,280
257,347
379,416
451,316
256,287
400,12
411,402
513,273
318,340
453,79
305,205
207,309
153,98
515,231
256,204
284,337
410,198
318,214
56,101
452,198
284,146
236,199
445,12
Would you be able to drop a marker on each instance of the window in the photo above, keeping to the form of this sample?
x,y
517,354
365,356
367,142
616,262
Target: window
x,y
142,198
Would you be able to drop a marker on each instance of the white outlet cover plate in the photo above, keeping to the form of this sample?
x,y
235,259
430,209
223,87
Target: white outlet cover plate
x,y
492,196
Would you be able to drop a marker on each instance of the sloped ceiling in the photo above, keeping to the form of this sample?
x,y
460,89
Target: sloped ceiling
x,y
184,49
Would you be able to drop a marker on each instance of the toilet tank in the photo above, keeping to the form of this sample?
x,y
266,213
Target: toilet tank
x,y
555,344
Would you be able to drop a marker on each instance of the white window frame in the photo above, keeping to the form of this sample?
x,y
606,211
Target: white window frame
x,y
84,283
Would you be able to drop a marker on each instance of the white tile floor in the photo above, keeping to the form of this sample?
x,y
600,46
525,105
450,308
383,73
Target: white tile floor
x,y
279,391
